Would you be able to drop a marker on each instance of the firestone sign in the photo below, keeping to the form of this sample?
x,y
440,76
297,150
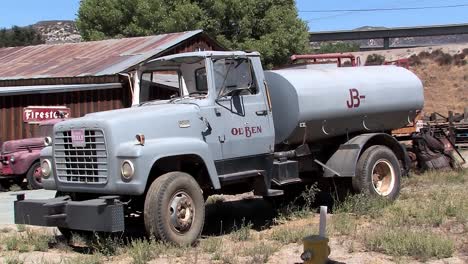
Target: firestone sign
x,y
33,114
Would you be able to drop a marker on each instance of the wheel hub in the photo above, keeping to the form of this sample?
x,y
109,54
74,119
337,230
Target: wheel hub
x,y
181,212
383,177
38,174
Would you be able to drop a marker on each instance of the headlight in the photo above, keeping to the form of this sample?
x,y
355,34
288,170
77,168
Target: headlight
x,y
47,141
127,170
46,168
12,159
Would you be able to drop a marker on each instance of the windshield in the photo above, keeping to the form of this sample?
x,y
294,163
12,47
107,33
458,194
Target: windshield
x,y
173,80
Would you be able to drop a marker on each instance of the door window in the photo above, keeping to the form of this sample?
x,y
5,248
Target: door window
x,y
234,77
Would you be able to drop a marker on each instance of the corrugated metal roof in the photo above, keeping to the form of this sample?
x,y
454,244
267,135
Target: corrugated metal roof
x,y
95,58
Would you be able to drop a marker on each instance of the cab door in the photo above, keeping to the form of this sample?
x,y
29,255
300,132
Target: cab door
x,y
241,107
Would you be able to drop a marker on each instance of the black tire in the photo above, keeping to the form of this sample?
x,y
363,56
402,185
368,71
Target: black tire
x,y
386,182
34,182
169,194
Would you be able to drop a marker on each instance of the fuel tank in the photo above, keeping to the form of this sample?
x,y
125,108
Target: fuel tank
x,y
314,104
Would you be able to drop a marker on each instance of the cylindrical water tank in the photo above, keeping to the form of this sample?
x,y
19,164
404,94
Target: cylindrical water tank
x,y
313,104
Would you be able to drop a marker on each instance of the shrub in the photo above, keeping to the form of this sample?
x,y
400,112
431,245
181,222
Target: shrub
x,y
459,59
444,59
424,55
300,207
342,224
465,51
375,59
141,251
243,232
106,245
362,204
415,60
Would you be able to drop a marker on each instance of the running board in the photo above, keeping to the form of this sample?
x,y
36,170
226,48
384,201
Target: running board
x,y
239,176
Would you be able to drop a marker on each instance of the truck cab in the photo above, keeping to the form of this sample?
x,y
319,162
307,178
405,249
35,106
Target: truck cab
x,y
210,122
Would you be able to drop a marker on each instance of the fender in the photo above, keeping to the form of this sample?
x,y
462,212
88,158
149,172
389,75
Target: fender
x,y
155,149
24,161
49,183
344,161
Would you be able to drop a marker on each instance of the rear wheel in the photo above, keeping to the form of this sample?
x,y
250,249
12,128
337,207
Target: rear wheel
x,y
378,173
34,176
175,209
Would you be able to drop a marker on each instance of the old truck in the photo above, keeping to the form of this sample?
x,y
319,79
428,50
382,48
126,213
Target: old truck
x,y
19,159
216,122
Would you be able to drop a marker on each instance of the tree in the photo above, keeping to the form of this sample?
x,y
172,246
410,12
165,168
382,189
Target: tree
x,y
271,27
19,36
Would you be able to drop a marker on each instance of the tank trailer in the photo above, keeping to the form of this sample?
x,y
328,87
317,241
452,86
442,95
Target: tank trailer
x,y
206,123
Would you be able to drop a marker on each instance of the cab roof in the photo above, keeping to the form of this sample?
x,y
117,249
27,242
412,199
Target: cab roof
x,y
206,54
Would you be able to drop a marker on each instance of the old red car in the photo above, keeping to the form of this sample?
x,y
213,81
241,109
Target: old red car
x,y
19,159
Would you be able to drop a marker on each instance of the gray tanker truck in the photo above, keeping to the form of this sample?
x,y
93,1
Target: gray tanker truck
x,y
204,123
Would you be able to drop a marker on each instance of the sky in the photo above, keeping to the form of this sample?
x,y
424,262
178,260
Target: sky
x,y
26,12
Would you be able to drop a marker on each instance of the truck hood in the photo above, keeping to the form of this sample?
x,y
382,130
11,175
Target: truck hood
x,y
22,145
154,121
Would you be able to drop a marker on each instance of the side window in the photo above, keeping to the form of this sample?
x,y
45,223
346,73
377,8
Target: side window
x,y
201,83
159,85
234,77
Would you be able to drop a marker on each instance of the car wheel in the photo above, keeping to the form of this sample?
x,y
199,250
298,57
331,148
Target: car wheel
x,y
175,209
34,176
378,173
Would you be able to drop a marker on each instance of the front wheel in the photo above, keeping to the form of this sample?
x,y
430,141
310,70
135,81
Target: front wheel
x,y
175,209
378,173
34,176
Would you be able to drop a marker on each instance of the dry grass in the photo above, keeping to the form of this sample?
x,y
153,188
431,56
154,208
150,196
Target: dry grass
x,y
407,242
430,220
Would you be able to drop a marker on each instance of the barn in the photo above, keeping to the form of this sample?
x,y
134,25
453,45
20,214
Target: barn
x,y
78,78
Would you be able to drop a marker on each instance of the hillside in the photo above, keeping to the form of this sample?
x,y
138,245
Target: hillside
x,y
58,31
445,86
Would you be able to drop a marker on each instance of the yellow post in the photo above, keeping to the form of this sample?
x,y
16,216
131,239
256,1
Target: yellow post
x,y
316,249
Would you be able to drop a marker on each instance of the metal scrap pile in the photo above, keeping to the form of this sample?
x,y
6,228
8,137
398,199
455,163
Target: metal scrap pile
x,y
440,141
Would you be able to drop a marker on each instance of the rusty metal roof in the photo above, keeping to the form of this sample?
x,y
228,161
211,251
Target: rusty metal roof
x,y
95,58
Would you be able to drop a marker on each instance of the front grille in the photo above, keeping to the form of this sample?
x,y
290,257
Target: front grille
x,y
86,164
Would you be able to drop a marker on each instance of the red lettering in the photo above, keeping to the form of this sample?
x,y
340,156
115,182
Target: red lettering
x,y
259,129
354,98
248,133
234,131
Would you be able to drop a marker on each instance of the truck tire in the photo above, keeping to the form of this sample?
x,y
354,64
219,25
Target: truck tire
x,y
378,173
34,176
175,209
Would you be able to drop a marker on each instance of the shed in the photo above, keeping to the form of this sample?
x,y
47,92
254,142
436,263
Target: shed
x,y
82,77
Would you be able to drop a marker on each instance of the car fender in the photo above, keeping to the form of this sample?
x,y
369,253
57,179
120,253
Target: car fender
x,y
145,156
344,161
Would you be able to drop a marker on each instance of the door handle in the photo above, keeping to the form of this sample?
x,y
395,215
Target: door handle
x,y
262,113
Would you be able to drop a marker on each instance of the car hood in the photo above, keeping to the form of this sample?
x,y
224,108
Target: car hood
x,y
22,145
154,121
